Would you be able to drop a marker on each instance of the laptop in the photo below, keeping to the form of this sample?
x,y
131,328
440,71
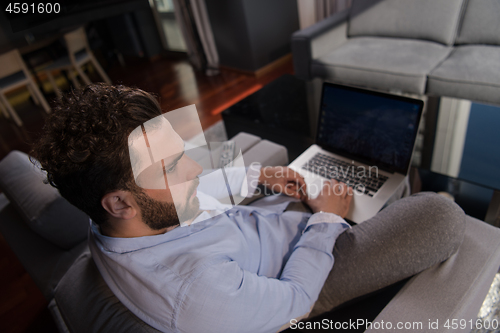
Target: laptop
x,y
364,139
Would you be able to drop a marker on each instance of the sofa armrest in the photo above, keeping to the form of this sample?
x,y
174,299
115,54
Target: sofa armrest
x,y
454,289
316,40
45,262
245,141
266,153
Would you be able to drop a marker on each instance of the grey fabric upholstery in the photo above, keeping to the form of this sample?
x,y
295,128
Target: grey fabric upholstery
x,y
382,63
434,20
245,141
45,262
205,157
317,40
323,51
86,304
458,286
39,204
266,153
481,23
470,72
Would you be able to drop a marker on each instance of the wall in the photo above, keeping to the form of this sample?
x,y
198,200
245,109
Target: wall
x,y
250,34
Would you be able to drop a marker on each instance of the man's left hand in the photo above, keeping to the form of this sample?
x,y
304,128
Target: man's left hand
x,y
283,180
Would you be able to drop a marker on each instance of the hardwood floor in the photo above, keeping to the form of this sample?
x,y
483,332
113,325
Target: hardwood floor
x,y
22,305
174,82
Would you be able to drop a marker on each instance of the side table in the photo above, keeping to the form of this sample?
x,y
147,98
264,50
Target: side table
x,y
476,200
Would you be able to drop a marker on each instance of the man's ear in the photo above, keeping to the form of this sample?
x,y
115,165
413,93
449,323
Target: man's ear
x,y
120,204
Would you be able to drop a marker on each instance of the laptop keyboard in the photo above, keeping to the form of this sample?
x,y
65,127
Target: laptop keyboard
x,y
333,168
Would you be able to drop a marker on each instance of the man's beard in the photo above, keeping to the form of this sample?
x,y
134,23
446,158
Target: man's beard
x,y
160,215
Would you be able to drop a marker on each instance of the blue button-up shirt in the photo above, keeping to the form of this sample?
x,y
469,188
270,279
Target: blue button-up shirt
x,y
249,269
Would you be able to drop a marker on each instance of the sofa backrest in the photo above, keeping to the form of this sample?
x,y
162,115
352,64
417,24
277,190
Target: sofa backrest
x,y
434,20
481,23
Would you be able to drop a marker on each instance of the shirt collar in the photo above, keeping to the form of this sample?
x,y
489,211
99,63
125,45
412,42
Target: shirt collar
x,y
124,245
204,220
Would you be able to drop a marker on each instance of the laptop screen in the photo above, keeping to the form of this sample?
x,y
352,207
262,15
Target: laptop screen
x,y
374,128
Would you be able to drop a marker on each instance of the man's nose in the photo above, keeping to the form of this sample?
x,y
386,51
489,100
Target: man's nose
x,y
194,169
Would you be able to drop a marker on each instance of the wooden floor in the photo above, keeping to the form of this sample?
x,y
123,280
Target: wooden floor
x,y
22,306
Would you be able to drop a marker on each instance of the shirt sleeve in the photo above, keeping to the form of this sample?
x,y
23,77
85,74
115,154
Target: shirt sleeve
x,y
226,298
323,217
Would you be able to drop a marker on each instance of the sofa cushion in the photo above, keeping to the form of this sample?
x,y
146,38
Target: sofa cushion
x,y
384,63
470,72
481,23
434,20
39,204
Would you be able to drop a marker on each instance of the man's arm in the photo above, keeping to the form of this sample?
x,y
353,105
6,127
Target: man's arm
x,y
226,298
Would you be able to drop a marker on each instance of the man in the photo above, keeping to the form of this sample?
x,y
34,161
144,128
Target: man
x,y
247,269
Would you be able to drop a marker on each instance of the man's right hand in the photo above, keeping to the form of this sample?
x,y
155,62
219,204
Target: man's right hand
x,y
335,197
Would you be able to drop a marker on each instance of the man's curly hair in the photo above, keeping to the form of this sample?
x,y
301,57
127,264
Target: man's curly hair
x,y
84,147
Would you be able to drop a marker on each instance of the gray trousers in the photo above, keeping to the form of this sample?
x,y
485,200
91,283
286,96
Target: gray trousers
x,y
405,238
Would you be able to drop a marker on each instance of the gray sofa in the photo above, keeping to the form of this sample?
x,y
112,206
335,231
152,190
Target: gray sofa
x,y
49,237
433,47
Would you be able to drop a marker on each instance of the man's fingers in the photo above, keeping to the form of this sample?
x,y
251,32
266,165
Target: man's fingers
x,y
327,186
294,176
292,190
298,186
339,188
343,190
350,191
299,180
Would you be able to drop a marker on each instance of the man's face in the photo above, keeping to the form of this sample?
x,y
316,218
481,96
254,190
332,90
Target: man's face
x,y
159,209
166,177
